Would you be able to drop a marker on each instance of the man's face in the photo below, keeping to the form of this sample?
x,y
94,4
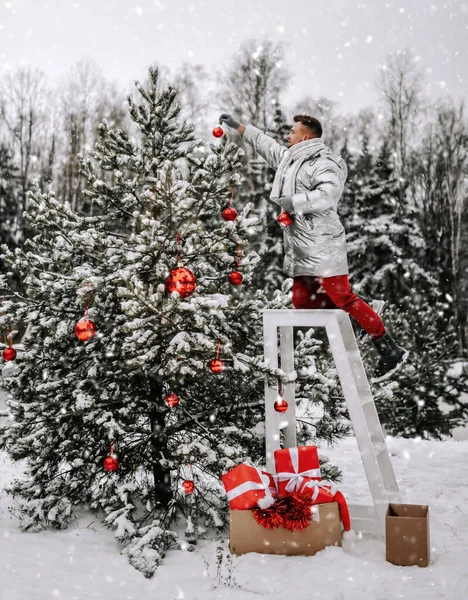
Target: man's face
x,y
298,133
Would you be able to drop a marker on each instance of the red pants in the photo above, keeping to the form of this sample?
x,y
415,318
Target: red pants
x,y
338,295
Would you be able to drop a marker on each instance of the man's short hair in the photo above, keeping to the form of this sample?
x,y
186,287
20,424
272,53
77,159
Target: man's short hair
x,y
311,123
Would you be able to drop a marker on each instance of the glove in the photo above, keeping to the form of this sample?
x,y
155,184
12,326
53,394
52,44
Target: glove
x,y
286,204
230,121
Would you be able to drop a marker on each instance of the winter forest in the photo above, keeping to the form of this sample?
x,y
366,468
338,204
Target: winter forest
x,y
102,194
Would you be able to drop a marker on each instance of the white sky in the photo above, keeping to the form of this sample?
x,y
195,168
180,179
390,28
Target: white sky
x,y
335,47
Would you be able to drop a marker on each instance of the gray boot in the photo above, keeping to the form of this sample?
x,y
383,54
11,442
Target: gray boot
x,y
392,357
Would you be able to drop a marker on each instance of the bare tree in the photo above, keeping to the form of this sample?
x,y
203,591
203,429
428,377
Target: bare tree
x,y
254,82
400,83
85,99
23,105
334,125
439,187
193,84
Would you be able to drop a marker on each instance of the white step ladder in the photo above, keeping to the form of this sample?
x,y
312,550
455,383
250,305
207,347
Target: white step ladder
x,y
363,414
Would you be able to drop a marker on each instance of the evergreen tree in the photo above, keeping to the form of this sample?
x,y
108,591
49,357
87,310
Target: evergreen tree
x,y
385,244
158,205
423,400
386,254
259,178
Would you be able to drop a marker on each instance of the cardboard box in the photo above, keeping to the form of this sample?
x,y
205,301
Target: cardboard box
x,y
407,535
246,535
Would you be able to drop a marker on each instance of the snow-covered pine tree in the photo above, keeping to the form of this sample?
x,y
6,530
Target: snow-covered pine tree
x,y
424,400
70,401
269,244
385,243
386,251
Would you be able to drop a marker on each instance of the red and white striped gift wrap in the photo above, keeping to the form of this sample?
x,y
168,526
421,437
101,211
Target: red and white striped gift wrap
x,y
246,485
294,466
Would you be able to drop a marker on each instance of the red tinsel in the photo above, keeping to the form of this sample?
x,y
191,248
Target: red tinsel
x,y
299,513
292,512
271,517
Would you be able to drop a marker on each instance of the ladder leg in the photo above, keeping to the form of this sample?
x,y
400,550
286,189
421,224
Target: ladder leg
x,y
270,341
287,364
363,415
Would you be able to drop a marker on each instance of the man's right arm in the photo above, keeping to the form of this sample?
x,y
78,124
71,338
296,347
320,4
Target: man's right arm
x,y
265,145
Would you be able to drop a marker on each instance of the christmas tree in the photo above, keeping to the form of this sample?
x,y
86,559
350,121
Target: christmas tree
x,y
140,376
123,277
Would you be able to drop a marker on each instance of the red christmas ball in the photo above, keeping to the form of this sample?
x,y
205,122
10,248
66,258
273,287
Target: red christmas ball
x,y
182,281
285,219
281,405
217,365
188,486
111,463
235,278
218,132
172,400
9,353
229,214
85,329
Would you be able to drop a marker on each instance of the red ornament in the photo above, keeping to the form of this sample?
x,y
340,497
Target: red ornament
x,y
188,486
218,132
217,365
281,405
111,463
9,353
172,400
182,281
85,329
285,219
229,214
235,278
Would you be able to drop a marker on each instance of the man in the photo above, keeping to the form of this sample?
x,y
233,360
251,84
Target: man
x,y
308,185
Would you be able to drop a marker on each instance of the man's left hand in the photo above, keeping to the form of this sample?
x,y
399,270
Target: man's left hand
x,y
286,204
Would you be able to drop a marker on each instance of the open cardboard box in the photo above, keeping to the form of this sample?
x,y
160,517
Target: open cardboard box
x,y
407,535
246,535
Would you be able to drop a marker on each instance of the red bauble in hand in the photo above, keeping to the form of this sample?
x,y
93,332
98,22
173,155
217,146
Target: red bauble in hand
x,y
85,329
188,486
217,365
235,278
111,463
281,405
9,353
229,214
172,400
218,132
285,219
182,281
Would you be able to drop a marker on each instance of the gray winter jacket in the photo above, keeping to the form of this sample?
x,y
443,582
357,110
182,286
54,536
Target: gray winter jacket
x,y
315,244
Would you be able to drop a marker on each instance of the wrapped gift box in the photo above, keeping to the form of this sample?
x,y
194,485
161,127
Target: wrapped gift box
x,y
246,535
294,466
246,485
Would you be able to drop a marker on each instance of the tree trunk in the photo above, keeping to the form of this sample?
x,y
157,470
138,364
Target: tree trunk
x,y
162,478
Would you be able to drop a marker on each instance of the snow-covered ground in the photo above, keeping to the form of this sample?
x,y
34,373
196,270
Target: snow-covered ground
x,y
83,562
